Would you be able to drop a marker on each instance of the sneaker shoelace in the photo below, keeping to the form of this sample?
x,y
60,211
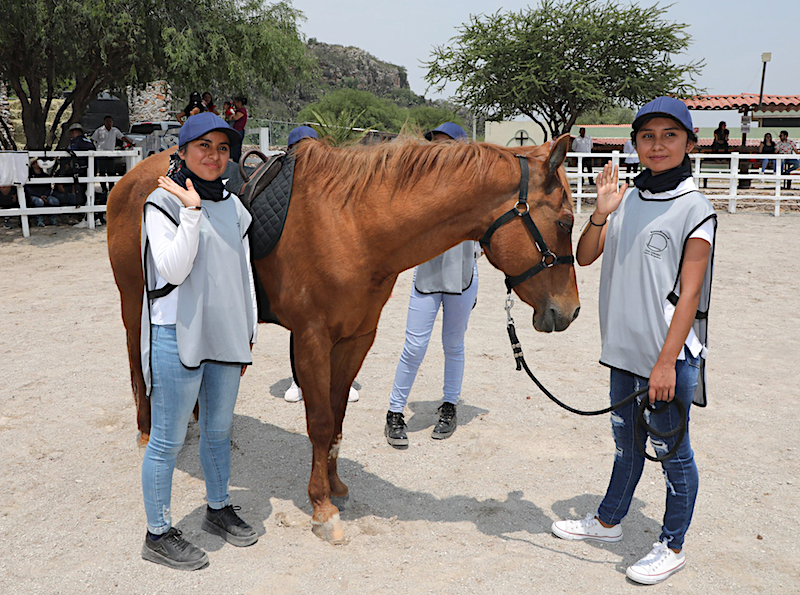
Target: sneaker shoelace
x,y
174,537
230,516
657,555
447,411
396,421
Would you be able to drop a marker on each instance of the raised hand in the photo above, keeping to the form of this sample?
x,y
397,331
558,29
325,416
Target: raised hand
x,y
609,195
188,196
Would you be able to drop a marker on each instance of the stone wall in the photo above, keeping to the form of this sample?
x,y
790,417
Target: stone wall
x,y
5,115
151,104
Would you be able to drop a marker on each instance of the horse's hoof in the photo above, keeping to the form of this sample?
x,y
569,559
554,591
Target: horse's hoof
x,y
340,502
142,439
331,530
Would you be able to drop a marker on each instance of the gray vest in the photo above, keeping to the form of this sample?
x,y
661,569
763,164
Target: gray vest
x,y
450,272
215,309
643,252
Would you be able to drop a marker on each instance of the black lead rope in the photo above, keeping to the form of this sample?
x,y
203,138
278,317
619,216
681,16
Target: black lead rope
x,y
522,210
640,416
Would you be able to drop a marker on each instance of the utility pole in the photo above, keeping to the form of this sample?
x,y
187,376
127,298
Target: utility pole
x,y
765,57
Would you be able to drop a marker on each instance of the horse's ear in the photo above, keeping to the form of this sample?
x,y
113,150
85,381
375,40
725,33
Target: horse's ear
x,y
558,152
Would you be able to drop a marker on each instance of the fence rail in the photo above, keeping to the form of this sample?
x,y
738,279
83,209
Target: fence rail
x,y
732,168
131,156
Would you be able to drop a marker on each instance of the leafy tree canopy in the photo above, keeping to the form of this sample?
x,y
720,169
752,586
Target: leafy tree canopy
x,y
86,46
565,57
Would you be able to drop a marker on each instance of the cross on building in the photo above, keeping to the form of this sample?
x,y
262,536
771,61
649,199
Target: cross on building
x,y
521,137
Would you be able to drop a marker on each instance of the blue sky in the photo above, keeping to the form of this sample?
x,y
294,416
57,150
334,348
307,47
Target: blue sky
x,y
730,35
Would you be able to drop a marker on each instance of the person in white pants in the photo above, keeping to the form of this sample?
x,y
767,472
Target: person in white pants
x,y
449,280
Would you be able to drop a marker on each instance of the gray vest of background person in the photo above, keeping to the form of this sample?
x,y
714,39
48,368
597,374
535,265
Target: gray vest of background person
x,y
450,272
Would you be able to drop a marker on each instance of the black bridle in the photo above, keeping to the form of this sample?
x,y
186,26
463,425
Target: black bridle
x,y
548,258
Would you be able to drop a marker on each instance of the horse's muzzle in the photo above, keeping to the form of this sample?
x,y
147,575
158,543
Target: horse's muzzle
x,y
553,319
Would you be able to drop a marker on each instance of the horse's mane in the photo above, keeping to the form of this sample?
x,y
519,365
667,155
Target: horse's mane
x,y
351,171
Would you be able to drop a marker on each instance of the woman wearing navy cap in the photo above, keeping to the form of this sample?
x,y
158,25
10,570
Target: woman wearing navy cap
x,y
198,340
657,242
449,280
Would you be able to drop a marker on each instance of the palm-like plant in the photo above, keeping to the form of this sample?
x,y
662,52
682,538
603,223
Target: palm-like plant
x,y
339,130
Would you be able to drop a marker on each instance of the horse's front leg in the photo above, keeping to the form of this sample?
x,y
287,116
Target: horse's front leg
x,y
346,359
313,365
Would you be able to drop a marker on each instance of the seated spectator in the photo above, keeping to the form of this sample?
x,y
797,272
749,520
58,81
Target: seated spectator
x,y
40,195
767,147
632,161
208,102
195,106
787,147
79,165
720,144
8,200
105,139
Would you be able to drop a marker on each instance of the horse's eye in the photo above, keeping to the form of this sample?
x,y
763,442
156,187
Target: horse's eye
x,y
566,226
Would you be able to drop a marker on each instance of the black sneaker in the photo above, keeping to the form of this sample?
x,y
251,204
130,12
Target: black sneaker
x,y
174,551
227,524
447,423
395,430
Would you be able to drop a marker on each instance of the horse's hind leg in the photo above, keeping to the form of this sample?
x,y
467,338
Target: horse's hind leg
x,y
346,359
313,373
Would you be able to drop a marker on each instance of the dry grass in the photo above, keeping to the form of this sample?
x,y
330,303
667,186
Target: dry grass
x,y
15,107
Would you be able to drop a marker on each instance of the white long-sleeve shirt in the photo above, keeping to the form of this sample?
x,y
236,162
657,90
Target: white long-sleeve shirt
x,y
174,250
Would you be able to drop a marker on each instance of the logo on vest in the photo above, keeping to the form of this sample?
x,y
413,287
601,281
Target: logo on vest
x,y
657,243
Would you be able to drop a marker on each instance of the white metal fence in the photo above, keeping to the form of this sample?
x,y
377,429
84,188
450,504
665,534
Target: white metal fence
x,y
729,169
131,156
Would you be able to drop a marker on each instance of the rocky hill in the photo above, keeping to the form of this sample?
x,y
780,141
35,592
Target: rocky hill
x,y
339,67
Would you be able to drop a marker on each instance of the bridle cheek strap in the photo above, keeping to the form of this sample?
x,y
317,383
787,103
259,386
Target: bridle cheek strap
x,y
548,258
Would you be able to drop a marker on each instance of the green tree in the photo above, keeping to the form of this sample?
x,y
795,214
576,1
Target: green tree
x,y
372,111
86,46
428,117
565,57
611,115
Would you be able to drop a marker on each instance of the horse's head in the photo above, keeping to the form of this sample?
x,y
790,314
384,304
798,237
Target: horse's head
x,y
544,280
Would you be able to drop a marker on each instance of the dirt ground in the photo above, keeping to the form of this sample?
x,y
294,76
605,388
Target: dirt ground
x,y
467,515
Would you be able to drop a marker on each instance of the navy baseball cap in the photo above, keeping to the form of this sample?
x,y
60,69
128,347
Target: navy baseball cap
x,y
451,129
196,126
301,132
666,107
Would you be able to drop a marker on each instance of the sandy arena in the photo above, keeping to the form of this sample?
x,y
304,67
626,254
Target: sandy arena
x,y
468,515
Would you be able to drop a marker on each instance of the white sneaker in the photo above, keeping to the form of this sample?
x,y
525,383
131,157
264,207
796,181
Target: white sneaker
x,y
353,396
657,566
293,394
588,528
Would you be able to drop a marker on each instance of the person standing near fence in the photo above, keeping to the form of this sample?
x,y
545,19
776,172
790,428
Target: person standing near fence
x,y
105,139
449,280
197,332
583,143
239,123
655,283
787,147
632,159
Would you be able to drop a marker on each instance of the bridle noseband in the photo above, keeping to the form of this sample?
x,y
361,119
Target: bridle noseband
x,y
522,209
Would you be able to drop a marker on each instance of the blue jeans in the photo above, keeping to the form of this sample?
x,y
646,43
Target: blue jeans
x,y
767,163
422,311
680,472
40,201
175,391
789,165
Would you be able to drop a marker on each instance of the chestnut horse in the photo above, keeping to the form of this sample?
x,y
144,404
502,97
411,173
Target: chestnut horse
x,y
357,218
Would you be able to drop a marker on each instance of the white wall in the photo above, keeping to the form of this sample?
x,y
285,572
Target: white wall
x,y
504,133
